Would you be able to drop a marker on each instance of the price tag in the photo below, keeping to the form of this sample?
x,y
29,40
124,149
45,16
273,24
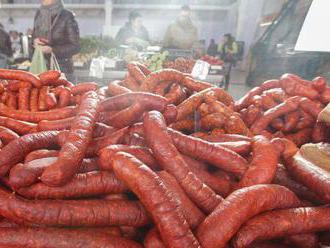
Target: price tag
x,y
200,70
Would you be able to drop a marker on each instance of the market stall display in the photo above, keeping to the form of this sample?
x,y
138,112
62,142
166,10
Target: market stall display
x,y
159,159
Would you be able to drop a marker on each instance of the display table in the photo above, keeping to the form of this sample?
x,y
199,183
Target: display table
x,y
108,76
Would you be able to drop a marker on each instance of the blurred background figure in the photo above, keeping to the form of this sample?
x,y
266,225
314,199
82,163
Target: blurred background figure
x,y
5,47
212,50
56,31
228,49
5,42
182,34
133,32
16,45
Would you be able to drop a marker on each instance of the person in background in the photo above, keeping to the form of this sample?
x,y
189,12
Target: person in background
x,y
228,49
228,52
16,44
5,42
182,34
29,34
56,31
133,32
212,50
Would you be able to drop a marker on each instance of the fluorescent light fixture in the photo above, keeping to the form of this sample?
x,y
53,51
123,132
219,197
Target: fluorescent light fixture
x,y
314,35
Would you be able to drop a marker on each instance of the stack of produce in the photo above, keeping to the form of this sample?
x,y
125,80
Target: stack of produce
x,y
156,61
107,170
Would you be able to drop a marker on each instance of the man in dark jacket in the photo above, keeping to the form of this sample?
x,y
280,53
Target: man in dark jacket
x,y
5,43
181,34
133,33
57,31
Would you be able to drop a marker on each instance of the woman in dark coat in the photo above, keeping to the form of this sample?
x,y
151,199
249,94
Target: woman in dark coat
x,y
57,31
5,43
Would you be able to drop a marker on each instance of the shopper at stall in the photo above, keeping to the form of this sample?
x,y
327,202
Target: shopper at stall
x,y
228,49
16,44
5,43
133,32
182,34
57,32
212,50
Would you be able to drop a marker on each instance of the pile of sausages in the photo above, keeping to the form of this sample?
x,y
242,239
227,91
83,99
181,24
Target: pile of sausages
x,y
111,168
287,107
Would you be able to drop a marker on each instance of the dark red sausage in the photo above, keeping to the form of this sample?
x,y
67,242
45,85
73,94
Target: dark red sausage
x,y
163,208
222,224
75,213
61,238
279,223
73,151
16,150
161,144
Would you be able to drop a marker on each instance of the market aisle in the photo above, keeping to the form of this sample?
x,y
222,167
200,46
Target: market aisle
x,y
237,86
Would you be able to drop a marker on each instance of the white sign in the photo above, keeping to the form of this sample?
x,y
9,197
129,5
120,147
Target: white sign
x,y
314,35
200,70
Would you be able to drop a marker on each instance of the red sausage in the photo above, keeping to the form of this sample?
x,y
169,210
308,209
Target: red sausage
x,y
35,117
212,153
82,88
61,238
222,224
152,240
7,135
263,166
23,175
89,184
163,208
20,127
16,150
160,142
287,106
192,214
60,124
141,153
43,92
75,147
24,99
34,96
75,213
310,175
49,77
21,76
42,153
279,223
115,88
123,101
283,178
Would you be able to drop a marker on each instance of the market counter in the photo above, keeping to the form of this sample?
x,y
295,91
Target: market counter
x,y
83,76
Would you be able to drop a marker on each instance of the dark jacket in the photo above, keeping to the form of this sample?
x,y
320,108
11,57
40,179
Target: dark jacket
x,y
5,43
64,39
127,32
180,36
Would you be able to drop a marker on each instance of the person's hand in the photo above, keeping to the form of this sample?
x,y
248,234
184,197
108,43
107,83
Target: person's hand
x,y
46,49
37,42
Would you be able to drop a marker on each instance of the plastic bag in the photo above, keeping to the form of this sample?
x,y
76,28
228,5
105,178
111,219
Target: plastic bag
x,y
55,66
39,63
